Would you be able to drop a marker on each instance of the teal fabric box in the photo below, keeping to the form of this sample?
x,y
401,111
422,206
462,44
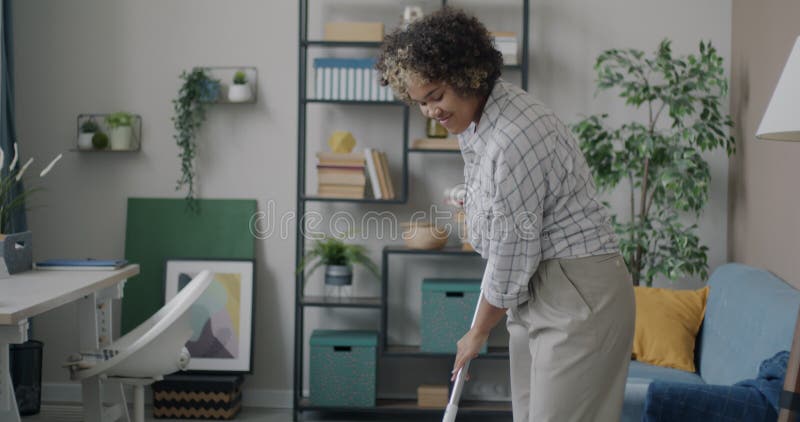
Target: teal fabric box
x,y
448,305
343,368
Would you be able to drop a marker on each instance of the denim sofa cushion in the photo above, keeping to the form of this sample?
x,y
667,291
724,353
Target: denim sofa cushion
x,y
646,373
750,316
640,375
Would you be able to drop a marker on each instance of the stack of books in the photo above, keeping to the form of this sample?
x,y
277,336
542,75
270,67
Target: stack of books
x,y
354,175
506,44
436,143
341,175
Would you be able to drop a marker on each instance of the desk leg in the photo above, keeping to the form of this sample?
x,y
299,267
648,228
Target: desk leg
x,y
94,318
9,335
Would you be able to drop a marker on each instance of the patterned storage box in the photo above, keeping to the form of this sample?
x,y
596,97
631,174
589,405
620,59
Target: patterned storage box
x,y
185,396
447,309
343,368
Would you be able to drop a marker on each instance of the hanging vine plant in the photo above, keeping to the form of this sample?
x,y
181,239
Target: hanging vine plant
x,y
197,91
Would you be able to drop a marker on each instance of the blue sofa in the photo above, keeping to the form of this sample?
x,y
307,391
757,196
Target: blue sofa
x,y
750,316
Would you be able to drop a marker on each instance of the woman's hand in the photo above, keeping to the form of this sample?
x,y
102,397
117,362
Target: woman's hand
x,y
468,348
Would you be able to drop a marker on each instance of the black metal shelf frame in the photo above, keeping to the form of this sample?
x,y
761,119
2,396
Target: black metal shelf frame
x,y
302,302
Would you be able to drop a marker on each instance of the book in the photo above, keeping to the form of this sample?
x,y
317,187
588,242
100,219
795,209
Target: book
x,y
436,143
373,175
333,159
388,176
81,264
341,191
341,176
381,174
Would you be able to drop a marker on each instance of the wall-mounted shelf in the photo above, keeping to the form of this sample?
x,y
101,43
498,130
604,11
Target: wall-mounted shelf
x,y
353,102
341,302
225,76
100,120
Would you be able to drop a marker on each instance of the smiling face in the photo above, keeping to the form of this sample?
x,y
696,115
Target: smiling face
x,y
439,101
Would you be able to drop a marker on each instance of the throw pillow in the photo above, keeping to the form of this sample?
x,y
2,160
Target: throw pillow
x,y
667,322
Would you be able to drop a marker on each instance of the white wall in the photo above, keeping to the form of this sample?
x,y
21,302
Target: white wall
x,y
101,56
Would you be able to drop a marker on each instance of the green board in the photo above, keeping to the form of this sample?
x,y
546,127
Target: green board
x,y
158,229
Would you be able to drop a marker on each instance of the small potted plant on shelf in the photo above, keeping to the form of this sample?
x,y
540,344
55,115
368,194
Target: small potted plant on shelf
x,y
239,92
88,129
338,258
121,130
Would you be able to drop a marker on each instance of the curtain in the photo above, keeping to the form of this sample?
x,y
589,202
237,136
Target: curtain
x,y
8,134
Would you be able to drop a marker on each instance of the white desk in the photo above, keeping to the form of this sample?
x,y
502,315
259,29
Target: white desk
x,y
31,293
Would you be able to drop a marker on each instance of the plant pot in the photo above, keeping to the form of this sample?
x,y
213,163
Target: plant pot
x,y
17,253
209,91
85,140
338,275
239,93
121,138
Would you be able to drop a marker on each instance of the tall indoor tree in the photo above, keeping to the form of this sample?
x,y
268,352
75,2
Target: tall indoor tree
x,y
661,156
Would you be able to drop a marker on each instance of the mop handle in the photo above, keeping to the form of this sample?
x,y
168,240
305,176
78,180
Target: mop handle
x,y
452,407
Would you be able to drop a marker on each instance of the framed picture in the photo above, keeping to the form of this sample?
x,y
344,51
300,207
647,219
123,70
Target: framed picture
x,y
222,318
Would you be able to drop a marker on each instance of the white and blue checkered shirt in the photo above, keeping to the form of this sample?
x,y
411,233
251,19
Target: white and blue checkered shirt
x,y
530,194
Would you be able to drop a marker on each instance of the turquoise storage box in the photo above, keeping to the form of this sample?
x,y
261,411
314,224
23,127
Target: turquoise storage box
x,y
343,368
448,305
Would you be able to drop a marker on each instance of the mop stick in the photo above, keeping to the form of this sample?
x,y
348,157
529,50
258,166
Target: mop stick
x,y
455,396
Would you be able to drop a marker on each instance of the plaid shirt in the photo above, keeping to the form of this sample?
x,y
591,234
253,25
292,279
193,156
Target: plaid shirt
x,y
530,194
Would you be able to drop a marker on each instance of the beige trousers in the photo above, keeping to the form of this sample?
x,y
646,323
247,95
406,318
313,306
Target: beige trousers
x,y
570,345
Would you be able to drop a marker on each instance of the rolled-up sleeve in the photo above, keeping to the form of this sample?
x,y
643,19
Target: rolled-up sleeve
x,y
514,249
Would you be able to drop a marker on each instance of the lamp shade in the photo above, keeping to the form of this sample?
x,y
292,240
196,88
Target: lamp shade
x,y
781,122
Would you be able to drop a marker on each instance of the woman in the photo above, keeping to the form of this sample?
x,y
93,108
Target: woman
x,y
553,265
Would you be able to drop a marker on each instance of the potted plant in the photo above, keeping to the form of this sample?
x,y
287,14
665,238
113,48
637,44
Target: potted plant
x,y
198,90
682,101
338,258
239,92
100,140
15,246
88,129
120,130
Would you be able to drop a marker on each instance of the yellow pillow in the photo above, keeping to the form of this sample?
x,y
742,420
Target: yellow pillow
x,y
667,322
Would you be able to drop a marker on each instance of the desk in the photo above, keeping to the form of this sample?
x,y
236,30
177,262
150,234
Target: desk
x,y
31,293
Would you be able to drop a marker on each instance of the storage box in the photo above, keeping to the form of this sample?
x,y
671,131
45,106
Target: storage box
x,y
17,253
343,368
354,31
432,396
447,309
185,396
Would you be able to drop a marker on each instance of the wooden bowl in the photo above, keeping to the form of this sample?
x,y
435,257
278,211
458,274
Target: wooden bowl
x,y
419,235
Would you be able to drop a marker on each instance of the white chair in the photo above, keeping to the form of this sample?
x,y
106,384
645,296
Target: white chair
x,y
144,355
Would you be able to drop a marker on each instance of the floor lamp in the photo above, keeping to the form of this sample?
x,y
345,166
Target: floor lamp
x,y
781,122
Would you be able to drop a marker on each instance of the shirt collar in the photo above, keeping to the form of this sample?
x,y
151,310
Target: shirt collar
x,y
474,142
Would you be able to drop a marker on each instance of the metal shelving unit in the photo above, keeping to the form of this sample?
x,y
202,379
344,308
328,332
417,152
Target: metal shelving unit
x,y
383,406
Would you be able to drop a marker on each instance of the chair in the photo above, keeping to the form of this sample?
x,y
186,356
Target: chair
x,y
144,355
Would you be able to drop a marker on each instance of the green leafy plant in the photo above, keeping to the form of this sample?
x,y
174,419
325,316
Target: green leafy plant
x,y
240,78
100,140
119,119
196,92
333,251
89,126
660,157
12,194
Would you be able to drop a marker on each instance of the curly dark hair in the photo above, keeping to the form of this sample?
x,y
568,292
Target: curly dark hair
x,y
447,46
